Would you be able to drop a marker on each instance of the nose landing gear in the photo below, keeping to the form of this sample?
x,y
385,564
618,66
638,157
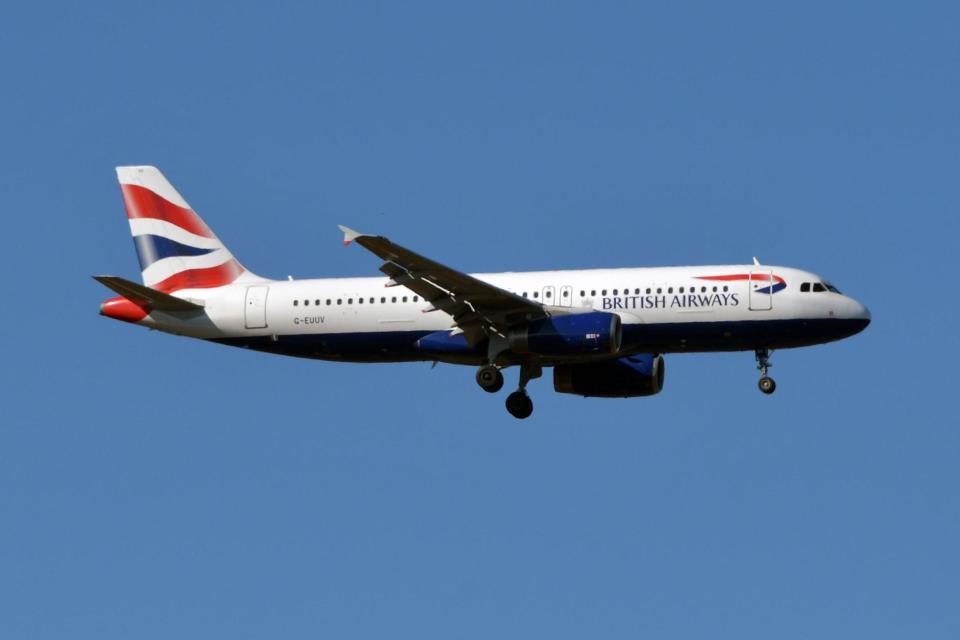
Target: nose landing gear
x,y
766,384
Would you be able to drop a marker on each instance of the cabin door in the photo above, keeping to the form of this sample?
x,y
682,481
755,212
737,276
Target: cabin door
x,y
760,290
255,307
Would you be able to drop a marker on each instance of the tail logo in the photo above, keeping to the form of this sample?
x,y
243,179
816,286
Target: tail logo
x,y
176,249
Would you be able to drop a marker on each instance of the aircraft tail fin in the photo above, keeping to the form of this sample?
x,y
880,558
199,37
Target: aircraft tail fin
x,y
177,250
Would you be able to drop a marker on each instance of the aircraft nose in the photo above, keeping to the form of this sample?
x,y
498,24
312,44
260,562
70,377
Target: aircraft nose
x,y
861,315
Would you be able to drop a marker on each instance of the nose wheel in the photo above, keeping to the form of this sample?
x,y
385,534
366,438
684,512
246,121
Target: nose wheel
x,y
766,384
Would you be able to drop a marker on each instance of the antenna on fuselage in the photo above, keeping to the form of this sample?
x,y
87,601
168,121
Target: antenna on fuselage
x,y
755,261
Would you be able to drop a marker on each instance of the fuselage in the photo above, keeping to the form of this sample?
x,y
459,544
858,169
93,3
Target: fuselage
x,y
662,309
604,331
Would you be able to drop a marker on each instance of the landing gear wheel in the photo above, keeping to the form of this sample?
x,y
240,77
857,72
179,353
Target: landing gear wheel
x,y
519,405
489,378
767,385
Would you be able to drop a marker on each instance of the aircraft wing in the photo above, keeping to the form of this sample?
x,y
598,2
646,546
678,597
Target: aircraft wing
x,y
477,307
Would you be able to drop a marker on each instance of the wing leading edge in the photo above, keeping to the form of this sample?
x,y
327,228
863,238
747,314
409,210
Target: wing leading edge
x,y
478,308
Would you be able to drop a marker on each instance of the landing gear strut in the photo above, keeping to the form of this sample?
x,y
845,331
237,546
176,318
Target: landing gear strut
x,y
489,378
519,403
766,383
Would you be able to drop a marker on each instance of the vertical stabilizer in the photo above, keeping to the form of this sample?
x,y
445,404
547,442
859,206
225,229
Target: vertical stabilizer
x,y
177,250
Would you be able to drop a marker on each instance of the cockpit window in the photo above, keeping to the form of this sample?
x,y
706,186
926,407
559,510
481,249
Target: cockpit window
x,y
818,287
805,287
830,287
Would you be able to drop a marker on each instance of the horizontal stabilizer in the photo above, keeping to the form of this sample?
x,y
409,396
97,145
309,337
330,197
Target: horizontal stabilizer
x,y
145,295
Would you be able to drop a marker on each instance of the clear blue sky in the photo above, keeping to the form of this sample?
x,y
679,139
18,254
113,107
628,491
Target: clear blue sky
x,y
155,487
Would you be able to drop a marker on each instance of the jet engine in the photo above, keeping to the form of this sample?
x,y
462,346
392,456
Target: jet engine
x,y
627,377
569,335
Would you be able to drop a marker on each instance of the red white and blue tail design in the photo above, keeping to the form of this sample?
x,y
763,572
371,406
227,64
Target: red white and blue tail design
x,y
177,250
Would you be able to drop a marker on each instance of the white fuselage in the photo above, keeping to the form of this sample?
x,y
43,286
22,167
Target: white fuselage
x,y
657,306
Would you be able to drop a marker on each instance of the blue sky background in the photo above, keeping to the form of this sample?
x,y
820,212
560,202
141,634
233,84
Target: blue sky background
x,y
155,487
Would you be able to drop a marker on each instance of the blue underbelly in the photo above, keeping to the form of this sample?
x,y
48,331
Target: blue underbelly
x,y
401,346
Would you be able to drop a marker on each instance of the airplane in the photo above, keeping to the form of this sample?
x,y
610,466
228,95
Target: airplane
x,y
603,331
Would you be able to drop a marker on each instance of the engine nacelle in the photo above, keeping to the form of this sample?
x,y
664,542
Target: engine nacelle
x,y
627,377
568,335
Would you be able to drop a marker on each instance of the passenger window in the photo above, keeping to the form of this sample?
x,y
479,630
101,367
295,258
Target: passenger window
x,y
524,294
329,301
383,299
359,300
416,298
548,294
565,293
316,302
615,291
603,292
725,288
535,294
296,302
583,293
393,299
670,290
703,289
714,289
681,289
648,290
339,300
349,300
659,290
593,293
818,287
404,298
805,287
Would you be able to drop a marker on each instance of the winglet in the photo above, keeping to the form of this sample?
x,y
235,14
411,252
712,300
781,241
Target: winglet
x,y
349,235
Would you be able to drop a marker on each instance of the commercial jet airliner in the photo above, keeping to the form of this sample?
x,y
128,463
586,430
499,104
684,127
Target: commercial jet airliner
x,y
604,331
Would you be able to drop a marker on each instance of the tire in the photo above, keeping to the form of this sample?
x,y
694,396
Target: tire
x,y
767,385
490,378
519,405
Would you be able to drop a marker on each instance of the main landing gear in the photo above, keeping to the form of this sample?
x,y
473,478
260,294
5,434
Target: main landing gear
x,y
766,383
489,378
519,404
